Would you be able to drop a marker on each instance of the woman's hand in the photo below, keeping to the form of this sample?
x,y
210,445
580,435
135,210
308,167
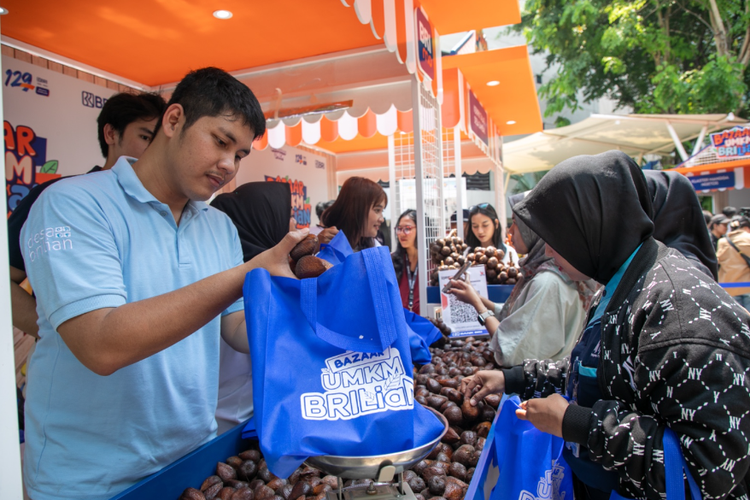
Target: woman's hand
x,y
327,234
545,413
464,292
483,382
276,260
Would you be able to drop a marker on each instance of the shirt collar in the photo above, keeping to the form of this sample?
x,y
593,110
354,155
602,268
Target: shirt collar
x,y
133,186
611,286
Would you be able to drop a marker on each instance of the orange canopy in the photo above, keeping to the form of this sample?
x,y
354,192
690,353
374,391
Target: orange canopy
x,y
512,98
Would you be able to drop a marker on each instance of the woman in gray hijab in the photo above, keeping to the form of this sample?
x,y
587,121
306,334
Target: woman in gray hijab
x,y
545,312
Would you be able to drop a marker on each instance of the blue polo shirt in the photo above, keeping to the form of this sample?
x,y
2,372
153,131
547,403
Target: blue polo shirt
x,y
97,241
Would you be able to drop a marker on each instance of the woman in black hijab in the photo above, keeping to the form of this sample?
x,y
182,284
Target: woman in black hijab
x,y
261,212
663,347
678,219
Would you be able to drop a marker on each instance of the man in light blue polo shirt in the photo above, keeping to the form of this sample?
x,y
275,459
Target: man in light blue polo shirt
x,y
136,277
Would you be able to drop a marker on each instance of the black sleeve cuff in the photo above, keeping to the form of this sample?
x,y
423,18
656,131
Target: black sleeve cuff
x,y
514,380
575,425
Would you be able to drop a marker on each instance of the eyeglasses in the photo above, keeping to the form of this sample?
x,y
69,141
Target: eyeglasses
x,y
405,229
475,208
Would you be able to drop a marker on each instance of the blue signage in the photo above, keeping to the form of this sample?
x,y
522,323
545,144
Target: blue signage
x,y
712,181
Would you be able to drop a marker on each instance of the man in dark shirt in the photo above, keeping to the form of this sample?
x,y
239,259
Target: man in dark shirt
x,y
718,228
125,127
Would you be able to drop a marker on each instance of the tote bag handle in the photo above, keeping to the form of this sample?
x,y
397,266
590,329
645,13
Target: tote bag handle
x,y
674,465
381,302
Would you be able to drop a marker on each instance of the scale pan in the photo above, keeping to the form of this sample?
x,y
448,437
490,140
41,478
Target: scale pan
x,y
368,467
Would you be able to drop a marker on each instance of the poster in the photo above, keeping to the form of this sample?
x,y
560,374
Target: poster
x,y
732,143
305,173
461,318
49,126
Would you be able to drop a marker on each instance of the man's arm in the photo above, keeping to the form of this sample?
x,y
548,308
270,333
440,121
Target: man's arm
x,y
234,331
23,305
106,340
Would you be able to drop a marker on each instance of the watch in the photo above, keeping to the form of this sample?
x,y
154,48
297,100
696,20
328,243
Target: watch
x,y
483,316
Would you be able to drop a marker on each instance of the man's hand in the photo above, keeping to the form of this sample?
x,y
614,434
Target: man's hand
x,y
464,292
545,413
327,234
484,382
276,260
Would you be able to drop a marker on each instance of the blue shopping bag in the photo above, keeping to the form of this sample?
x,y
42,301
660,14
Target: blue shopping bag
x,y
332,369
529,461
337,250
421,332
674,468
422,335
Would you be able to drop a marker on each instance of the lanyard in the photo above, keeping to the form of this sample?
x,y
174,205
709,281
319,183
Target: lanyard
x,y
412,279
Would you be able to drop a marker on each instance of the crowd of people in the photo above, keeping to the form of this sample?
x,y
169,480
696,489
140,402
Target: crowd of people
x,y
143,351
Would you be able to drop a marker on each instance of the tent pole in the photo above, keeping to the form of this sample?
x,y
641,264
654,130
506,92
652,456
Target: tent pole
x,y
699,140
10,442
392,183
677,142
416,107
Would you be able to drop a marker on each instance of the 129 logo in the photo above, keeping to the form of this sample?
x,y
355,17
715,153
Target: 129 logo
x,y
18,79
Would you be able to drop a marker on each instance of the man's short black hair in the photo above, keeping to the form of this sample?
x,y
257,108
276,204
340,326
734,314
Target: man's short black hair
x,y
122,109
214,92
729,211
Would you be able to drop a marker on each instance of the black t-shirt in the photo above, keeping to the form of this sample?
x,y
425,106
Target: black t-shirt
x,y
19,216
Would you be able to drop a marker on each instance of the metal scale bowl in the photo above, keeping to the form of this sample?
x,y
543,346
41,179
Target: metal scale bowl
x,y
380,468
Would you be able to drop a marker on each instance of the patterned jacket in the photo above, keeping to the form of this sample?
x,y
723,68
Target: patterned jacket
x,y
676,353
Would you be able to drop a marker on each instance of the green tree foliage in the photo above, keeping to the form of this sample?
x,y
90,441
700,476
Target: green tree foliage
x,y
657,56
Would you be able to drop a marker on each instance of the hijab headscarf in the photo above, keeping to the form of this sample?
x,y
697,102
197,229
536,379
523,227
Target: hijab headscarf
x,y
260,212
678,219
593,210
534,261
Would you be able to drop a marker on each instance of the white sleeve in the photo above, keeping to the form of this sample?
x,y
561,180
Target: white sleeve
x,y
543,324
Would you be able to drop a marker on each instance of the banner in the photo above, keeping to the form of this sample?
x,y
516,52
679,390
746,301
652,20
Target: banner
x,y
732,143
425,44
50,126
478,119
305,173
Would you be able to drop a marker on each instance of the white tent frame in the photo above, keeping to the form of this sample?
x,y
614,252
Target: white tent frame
x,y
638,137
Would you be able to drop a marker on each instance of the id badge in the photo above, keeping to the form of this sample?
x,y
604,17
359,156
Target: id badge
x,y
574,448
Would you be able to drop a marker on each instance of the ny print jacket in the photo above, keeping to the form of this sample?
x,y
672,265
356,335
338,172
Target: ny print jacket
x,y
675,352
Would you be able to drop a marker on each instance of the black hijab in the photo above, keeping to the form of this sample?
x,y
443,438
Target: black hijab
x,y
678,219
593,210
260,212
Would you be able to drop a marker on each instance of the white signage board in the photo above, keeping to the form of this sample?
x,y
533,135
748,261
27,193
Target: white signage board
x,y
49,126
460,317
304,171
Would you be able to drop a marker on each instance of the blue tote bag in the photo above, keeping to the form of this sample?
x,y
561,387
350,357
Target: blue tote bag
x,y
421,336
530,461
331,362
421,332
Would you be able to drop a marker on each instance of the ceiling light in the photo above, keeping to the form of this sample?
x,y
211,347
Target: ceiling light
x,y
3,11
493,83
222,14
510,122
